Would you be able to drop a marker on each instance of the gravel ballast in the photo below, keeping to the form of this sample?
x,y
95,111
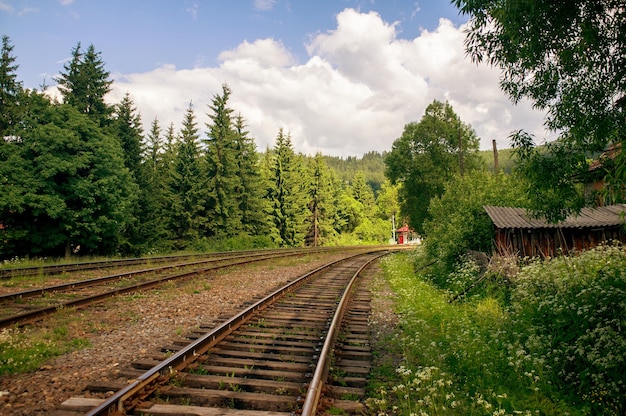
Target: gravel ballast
x,y
133,327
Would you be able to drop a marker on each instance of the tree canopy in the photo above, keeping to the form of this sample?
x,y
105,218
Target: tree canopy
x,y
82,176
569,59
428,154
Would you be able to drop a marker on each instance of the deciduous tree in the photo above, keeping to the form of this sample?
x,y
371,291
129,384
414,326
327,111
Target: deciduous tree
x,y
427,155
569,59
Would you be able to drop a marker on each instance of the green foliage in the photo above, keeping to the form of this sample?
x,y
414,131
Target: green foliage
x,y
426,156
224,183
506,162
463,358
126,126
322,203
570,315
81,178
85,83
371,165
548,171
250,196
286,193
186,187
567,59
10,89
458,221
67,184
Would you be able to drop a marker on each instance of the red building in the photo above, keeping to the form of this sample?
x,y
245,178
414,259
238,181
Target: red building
x,y
405,235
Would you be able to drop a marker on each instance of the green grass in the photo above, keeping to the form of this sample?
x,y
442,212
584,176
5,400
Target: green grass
x,y
21,352
491,354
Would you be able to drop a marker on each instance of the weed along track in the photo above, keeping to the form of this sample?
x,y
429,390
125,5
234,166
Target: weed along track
x,y
304,348
23,306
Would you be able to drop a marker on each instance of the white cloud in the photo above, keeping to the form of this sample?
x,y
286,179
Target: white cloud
x,y
6,7
264,4
193,10
66,2
360,86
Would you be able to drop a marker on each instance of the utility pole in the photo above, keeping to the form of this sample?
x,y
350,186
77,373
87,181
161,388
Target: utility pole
x,y
460,150
496,168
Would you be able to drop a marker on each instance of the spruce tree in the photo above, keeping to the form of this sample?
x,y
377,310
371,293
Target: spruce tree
x,y
287,194
126,126
85,83
10,89
322,212
252,204
224,183
187,187
154,215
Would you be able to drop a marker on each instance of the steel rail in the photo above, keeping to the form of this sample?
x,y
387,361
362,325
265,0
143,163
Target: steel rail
x,y
38,314
322,368
41,291
127,398
54,269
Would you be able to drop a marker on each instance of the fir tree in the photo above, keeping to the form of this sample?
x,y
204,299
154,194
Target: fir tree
x,y
187,189
322,212
154,215
223,179
85,83
287,194
252,205
10,89
127,128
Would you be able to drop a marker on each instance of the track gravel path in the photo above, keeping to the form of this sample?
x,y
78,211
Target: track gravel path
x,y
131,319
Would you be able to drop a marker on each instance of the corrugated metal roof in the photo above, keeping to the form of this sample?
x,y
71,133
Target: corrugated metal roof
x,y
508,217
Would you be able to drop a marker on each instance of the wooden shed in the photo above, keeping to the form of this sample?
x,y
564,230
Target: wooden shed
x,y
518,234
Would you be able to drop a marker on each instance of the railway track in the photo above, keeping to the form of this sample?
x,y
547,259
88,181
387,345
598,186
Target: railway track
x,y
22,307
280,355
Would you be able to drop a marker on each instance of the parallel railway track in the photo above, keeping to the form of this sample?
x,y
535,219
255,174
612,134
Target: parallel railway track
x,y
278,356
23,307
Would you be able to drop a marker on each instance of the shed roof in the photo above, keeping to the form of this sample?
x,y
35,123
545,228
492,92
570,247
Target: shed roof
x,y
508,217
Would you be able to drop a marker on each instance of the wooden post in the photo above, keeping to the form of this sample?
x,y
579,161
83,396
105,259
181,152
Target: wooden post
x,y
495,157
461,167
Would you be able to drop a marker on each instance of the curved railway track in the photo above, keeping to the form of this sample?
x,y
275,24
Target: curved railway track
x,y
278,356
23,307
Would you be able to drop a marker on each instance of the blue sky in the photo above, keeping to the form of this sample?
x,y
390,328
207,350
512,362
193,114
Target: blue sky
x,y
343,76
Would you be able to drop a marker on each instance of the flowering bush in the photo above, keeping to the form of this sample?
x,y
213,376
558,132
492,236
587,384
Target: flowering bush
x,y
552,345
570,314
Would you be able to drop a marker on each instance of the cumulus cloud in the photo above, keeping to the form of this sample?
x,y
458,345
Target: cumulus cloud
x,y
360,85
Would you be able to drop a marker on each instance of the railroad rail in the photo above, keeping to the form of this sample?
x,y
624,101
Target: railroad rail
x,y
55,269
82,293
273,358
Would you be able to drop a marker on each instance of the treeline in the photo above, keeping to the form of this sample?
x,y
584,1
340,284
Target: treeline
x,y
82,176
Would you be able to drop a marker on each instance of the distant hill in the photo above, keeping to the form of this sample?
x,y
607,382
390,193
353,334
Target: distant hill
x,y
505,159
371,164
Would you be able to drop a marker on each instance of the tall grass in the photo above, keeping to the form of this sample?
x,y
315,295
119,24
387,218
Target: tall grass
x,y
516,347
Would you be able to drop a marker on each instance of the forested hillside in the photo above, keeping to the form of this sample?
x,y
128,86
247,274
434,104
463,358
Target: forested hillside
x,y
80,176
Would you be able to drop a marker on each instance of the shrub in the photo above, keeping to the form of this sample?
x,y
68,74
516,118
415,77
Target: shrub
x,y
570,314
